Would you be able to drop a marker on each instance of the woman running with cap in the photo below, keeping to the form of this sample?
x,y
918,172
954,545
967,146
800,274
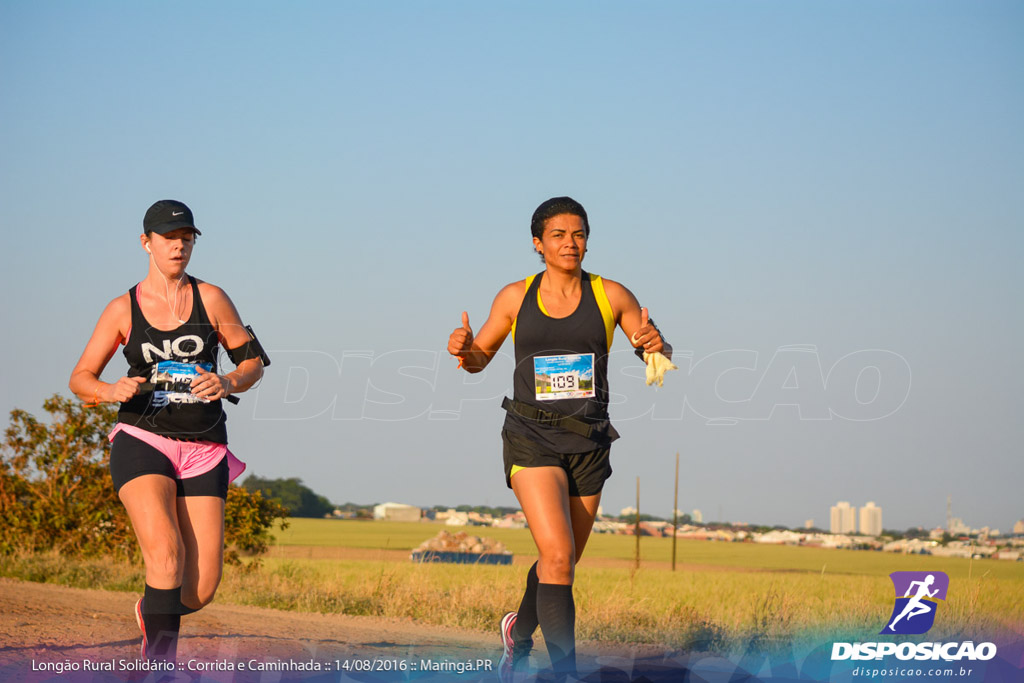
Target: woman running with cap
x,y
168,458
557,434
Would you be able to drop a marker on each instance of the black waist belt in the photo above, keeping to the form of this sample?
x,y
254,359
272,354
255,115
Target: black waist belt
x,y
549,419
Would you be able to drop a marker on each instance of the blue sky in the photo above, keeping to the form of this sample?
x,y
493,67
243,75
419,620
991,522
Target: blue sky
x,y
819,202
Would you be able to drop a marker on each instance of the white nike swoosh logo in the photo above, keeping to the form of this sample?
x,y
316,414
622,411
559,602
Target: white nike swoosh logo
x,y
177,214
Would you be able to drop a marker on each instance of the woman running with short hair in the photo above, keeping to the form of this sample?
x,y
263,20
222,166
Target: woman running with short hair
x,y
557,434
169,460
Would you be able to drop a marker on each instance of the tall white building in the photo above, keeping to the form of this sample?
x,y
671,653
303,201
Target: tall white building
x,y
871,520
697,516
842,518
957,526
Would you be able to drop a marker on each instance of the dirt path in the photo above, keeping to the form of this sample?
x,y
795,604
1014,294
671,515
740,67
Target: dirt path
x,y
44,627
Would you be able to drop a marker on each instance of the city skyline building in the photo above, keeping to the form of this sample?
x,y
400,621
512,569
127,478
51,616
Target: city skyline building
x,y
956,526
870,519
842,518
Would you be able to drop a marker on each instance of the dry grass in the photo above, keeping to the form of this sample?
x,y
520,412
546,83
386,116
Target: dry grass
x,y
710,609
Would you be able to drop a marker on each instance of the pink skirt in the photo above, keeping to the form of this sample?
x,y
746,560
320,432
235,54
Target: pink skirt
x,y
189,458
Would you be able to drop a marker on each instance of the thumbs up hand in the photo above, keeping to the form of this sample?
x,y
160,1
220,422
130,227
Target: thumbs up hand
x,y
460,341
647,337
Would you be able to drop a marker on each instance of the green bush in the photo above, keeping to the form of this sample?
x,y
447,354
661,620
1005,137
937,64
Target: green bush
x,y
56,493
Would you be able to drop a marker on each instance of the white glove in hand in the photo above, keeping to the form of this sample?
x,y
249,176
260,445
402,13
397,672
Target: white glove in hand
x,y
657,366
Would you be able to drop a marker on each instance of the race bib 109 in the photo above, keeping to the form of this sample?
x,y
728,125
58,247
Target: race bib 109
x,y
569,376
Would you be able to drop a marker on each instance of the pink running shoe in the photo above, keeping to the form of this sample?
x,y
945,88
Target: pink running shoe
x,y
511,660
142,627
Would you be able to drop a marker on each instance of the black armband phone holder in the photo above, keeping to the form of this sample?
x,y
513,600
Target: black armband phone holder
x,y
248,350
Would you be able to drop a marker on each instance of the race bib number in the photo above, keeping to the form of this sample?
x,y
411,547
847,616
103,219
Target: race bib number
x,y
559,377
173,382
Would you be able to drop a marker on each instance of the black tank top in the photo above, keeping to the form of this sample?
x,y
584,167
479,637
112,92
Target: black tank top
x,y
169,360
562,367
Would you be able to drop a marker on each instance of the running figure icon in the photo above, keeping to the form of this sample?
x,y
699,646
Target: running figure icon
x,y
917,595
916,606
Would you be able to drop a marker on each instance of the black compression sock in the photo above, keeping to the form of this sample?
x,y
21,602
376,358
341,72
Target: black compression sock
x,y
526,618
184,609
556,612
160,607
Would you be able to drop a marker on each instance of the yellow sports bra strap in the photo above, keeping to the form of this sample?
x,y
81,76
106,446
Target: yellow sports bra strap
x,y
529,279
597,284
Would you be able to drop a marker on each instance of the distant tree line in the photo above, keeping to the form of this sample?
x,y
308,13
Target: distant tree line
x,y
292,494
500,511
631,519
356,510
914,532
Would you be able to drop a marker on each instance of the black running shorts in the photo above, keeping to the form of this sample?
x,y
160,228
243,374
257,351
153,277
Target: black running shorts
x,y
131,458
587,472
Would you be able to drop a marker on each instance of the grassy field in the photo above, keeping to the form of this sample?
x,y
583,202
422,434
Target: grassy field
x,y
729,556
724,596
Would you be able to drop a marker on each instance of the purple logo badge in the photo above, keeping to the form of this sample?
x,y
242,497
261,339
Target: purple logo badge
x,y
917,596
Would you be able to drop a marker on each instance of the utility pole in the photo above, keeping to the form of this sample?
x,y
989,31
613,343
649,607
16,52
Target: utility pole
x,y
675,514
636,529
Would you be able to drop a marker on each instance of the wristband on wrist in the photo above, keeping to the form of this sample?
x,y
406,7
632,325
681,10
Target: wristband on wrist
x,y
95,396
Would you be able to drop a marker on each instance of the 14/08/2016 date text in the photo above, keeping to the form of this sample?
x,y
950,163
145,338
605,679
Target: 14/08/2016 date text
x,y
458,667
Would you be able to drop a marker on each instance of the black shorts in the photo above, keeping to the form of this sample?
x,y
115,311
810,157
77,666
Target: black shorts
x,y
131,458
587,472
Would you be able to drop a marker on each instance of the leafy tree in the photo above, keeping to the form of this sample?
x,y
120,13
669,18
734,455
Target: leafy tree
x,y
56,494
248,519
291,493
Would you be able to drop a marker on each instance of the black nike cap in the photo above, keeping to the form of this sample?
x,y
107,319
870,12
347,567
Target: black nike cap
x,y
167,215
